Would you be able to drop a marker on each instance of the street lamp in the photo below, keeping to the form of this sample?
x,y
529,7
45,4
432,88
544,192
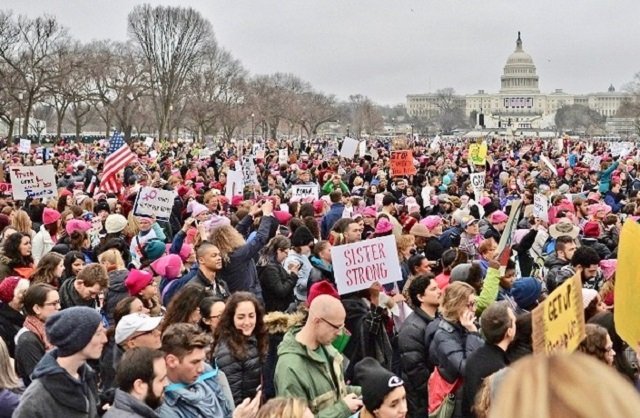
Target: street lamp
x,y
20,97
253,128
348,128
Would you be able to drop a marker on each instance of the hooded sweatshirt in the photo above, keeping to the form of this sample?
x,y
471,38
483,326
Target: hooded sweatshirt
x,y
55,393
115,293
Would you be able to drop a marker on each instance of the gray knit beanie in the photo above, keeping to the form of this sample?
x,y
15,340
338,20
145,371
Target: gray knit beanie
x,y
71,329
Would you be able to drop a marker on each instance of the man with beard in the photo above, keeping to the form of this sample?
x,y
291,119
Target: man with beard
x,y
141,377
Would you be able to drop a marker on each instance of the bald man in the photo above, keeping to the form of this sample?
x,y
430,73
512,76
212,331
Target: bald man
x,y
310,368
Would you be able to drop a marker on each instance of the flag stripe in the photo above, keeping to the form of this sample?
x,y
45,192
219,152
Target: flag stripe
x,y
120,155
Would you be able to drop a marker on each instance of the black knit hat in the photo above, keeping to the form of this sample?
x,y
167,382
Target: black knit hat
x,y
71,329
376,382
301,237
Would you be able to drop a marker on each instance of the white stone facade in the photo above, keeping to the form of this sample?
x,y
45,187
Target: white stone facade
x,y
519,103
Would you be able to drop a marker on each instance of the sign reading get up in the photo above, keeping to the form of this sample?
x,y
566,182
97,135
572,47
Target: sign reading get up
x,y
558,323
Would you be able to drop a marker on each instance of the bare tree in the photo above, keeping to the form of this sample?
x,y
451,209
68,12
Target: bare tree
x,y
120,81
9,91
214,88
273,98
172,40
313,109
29,46
365,116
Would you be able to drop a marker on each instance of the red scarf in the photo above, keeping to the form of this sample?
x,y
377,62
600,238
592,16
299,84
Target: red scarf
x,y
36,326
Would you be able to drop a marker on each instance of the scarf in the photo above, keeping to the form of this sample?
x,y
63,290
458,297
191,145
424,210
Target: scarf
x,y
36,326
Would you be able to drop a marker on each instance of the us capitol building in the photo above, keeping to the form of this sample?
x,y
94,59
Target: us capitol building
x,y
519,104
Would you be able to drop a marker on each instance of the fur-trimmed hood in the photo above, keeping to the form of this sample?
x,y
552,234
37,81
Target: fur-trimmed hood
x,y
281,322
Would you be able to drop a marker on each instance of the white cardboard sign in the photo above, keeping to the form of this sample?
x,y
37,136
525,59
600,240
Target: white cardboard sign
x,y
349,147
303,191
249,172
477,181
235,184
154,202
283,156
25,146
541,207
358,266
37,182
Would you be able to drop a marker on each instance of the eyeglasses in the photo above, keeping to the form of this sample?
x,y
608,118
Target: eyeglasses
x,y
471,305
215,316
336,327
54,303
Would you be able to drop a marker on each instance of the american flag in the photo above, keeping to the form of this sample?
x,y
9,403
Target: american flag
x,y
119,156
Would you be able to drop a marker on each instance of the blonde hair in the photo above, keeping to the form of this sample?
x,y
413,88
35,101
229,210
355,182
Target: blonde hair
x,y
404,242
283,408
87,204
133,226
227,239
112,256
455,299
563,386
21,222
8,378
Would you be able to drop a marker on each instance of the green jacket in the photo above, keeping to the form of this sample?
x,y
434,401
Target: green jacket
x,y
330,187
489,292
307,374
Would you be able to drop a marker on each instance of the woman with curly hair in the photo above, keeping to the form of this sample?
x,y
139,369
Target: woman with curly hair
x,y
598,344
16,259
238,265
50,270
184,306
241,344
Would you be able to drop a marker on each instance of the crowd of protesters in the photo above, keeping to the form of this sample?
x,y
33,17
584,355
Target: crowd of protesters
x,y
229,306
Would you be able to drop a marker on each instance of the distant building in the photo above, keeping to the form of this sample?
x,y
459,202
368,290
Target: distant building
x,y
519,103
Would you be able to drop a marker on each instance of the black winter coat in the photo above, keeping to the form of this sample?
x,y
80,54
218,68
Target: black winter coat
x,y
277,286
482,363
414,356
115,293
450,346
244,376
10,323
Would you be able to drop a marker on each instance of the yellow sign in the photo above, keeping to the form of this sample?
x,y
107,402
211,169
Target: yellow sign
x,y
558,323
627,287
478,153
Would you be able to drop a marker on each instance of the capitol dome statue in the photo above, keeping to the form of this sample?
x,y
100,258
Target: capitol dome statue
x,y
519,75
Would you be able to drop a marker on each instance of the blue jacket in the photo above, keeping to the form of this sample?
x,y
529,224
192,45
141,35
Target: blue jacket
x,y
209,396
330,218
605,177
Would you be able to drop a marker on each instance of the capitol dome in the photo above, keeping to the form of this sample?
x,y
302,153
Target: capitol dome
x,y
519,74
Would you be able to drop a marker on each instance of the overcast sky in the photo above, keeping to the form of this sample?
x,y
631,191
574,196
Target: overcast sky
x,y
387,49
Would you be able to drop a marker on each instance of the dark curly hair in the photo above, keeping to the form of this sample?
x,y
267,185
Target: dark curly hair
x,y
226,330
595,343
11,249
183,304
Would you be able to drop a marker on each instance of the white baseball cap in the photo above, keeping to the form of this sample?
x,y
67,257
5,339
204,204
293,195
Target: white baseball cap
x,y
134,323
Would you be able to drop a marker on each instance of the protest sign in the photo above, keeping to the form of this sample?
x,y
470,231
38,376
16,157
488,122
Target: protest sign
x,y
283,156
148,141
478,153
549,164
302,192
558,322
5,188
349,146
378,198
477,182
329,150
154,202
402,163
541,207
25,146
249,172
627,285
235,185
509,229
362,149
36,182
357,266
595,163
